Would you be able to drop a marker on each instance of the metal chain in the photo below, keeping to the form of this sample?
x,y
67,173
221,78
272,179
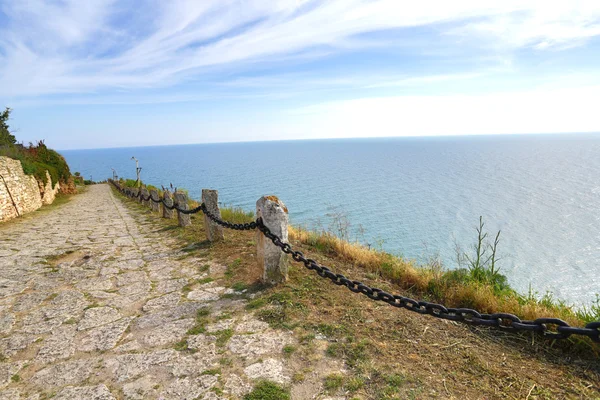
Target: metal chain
x,y
502,321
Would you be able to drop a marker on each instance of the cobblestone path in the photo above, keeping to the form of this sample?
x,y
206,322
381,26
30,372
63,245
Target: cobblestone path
x,y
95,304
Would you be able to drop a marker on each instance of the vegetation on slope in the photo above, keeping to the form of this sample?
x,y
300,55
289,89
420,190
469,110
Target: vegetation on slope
x,y
35,159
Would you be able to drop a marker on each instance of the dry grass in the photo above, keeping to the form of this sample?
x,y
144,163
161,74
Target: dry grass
x,y
433,283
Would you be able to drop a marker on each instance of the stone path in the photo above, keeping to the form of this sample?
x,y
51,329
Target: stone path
x,y
94,306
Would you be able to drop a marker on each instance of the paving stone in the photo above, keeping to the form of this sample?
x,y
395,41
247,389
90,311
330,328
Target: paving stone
x,y
98,316
129,366
270,369
65,373
162,302
10,394
171,285
58,345
143,388
236,386
251,324
168,333
258,344
99,392
104,337
7,370
7,321
15,343
189,388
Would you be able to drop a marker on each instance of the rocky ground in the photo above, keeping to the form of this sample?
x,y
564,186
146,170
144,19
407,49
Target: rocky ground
x,y
95,303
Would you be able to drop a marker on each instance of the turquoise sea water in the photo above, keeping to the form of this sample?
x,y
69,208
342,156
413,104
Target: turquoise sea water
x,y
413,196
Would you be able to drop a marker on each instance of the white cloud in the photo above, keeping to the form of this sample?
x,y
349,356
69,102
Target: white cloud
x,y
76,47
541,111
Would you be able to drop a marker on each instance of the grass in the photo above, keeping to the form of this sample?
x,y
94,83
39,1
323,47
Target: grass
x,y
333,382
267,390
223,336
236,215
201,322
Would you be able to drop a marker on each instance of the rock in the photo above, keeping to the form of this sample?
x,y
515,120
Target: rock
x,y
129,366
270,369
143,388
171,285
162,302
57,346
15,343
236,386
99,392
98,316
10,394
168,333
257,344
189,388
251,324
104,337
220,326
7,370
66,373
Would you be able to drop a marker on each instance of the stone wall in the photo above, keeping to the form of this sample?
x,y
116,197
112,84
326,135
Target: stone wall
x,y
25,191
47,192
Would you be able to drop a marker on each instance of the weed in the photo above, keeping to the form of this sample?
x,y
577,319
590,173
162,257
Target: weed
x,y
354,383
15,378
223,336
205,280
239,286
333,382
266,390
256,303
214,371
288,350
182,345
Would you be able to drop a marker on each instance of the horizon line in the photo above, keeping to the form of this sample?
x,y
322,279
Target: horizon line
x,y
342,138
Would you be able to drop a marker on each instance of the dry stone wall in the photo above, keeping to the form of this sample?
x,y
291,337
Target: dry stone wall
x,y
21,193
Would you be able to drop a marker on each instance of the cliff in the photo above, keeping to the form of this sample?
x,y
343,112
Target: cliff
x,y
21,193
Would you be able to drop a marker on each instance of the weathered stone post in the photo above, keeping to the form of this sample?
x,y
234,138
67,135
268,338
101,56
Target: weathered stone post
x,y
166,213
210,198
145,194
182,202
271,259
153,204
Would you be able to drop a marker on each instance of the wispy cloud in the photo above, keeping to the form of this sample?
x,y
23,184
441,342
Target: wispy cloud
x,y
96,46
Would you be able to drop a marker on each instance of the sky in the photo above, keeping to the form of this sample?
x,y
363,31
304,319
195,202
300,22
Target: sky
x,y
116,73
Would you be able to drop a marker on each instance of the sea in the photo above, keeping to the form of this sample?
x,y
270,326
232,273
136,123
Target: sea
x,y
420,198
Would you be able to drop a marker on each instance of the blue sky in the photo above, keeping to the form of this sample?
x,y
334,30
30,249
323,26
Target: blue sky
x,y
109,73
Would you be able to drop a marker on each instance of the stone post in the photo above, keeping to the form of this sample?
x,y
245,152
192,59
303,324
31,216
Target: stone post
x,y
145,194
271,259
166,213
210,198
182,202
154,205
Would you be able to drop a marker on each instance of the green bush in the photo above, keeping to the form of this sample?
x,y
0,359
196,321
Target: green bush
x,y
37,159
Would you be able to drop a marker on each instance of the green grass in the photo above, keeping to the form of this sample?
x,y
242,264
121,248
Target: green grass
x,y
267,390
236,215
333,382
223,336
